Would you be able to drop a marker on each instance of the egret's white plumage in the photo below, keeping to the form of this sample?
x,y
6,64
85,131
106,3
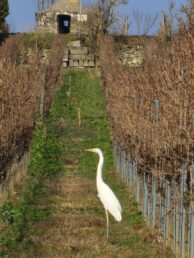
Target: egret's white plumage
x,y
106,195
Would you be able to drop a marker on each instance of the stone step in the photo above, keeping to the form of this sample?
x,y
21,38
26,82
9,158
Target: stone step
x,y
75,43
90,57
77,57
79,51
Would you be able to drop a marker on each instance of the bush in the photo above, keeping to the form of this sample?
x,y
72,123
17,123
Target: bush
x,y
38,41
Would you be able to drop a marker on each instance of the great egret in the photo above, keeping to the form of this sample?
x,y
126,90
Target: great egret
x,y
106,195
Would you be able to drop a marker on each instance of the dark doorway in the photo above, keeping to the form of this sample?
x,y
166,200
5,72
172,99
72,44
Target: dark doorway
x,y
64,22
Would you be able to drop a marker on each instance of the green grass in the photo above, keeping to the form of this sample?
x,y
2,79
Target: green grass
x,y
86,95
82,91
60,200
38,40
25,209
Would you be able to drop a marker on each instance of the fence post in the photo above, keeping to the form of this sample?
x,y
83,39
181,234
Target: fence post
x,y
119,160
124,165
193,164
144,196
176,219
160,224
137,183
132,177
153,200
167,207
130,174
147,202
128,171
192,235
182,210
191,218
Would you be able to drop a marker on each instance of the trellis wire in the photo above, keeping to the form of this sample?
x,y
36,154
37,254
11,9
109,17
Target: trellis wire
x,y
153,201
167,206
156,207
182,214
191,219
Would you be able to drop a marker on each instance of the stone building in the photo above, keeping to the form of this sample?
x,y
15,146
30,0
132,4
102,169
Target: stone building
x,y
62,17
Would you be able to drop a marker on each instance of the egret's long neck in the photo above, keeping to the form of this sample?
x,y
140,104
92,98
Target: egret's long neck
x,y
99,168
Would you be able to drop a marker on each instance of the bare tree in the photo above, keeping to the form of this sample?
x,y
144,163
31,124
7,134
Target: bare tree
x,y
106,10
39,4
101,16
149,21
138,20
144,23
166,27
42,4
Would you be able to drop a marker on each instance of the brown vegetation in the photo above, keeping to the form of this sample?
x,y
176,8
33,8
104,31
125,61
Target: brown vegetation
x,y
101,16
43,4
53,70
166,75
20,95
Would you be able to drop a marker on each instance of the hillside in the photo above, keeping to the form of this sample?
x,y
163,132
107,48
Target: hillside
x,y
58,213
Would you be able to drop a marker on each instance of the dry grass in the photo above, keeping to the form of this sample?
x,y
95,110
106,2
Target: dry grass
x,y
20,93
166,75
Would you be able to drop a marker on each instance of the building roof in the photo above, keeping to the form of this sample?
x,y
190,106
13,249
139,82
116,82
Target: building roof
x,y
66,5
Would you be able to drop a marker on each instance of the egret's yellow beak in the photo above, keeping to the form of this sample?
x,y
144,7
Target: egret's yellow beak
x,y
89,150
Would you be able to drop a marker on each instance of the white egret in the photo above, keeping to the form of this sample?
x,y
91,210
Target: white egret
x,y
106,195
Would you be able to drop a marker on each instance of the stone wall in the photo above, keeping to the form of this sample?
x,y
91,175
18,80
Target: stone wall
x,y
47,21
78,56
132,57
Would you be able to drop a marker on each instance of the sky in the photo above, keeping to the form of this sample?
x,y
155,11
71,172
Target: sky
x,y
22,12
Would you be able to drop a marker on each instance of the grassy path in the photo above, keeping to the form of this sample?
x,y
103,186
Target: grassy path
x,y
75,224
